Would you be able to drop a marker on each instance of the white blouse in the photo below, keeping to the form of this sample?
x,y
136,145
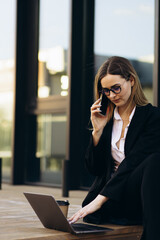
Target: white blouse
x,y
118,153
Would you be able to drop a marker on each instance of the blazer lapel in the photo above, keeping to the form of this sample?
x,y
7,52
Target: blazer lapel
x,y
135,126
109,135
108,152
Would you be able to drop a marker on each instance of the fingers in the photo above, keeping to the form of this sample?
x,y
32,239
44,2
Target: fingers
x,y
97,101
88,209
95,107
80,214
75,218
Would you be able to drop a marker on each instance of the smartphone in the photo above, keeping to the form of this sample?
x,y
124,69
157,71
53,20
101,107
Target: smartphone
x,y
104,104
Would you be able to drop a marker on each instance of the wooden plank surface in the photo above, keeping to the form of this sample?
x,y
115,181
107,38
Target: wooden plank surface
x,y
18,221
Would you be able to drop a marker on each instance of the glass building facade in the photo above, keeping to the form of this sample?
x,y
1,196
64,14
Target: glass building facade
x,y
7,77
128,31
52,80
50,53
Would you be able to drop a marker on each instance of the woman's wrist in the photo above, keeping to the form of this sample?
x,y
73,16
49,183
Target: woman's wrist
x,y
100,199
96,136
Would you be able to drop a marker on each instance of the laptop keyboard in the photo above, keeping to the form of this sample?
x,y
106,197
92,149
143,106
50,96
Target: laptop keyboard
x,y
85,227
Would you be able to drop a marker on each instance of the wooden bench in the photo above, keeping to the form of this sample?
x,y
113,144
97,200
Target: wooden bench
x,y
18,221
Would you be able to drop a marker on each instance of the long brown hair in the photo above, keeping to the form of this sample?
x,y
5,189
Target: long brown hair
x,y
120,66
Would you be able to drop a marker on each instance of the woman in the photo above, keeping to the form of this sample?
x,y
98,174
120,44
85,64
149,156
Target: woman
x,y
124,153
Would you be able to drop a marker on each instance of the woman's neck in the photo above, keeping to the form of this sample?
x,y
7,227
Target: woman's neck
x,y
125,112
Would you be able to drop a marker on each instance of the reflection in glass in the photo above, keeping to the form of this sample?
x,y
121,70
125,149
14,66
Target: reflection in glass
x,y
126,28
54,35
7,45
51,146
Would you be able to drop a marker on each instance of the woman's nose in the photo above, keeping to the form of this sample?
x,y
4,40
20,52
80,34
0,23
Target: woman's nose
x,y
112,95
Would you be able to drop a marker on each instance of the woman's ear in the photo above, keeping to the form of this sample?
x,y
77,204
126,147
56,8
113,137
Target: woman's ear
x,y
132,81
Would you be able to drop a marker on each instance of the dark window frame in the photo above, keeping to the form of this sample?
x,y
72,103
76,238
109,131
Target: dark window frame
x,y
156,68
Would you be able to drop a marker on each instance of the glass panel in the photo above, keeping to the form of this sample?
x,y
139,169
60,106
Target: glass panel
x,y
7,64
51,146
126,28
53,51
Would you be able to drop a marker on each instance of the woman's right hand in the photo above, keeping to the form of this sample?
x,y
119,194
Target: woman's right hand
x,y
98,121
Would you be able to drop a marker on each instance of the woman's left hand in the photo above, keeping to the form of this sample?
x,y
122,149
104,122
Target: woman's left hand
x,y
88,209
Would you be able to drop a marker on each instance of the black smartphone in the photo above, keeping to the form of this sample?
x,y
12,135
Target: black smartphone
x,y
104,104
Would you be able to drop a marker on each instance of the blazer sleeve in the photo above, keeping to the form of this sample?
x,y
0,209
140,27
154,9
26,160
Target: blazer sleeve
x,y
95,158
98,158
147,143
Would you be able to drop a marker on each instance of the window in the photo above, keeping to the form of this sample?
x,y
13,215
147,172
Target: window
x,y
126,28
53,51
51,146
7,65
52,89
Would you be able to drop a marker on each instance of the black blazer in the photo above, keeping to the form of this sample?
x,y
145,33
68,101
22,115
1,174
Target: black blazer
x,y
143,139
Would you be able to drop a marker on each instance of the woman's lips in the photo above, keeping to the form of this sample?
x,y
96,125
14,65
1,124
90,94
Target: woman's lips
x,y
116,101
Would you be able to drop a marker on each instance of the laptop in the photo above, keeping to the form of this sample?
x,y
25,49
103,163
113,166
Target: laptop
x,y
51,216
